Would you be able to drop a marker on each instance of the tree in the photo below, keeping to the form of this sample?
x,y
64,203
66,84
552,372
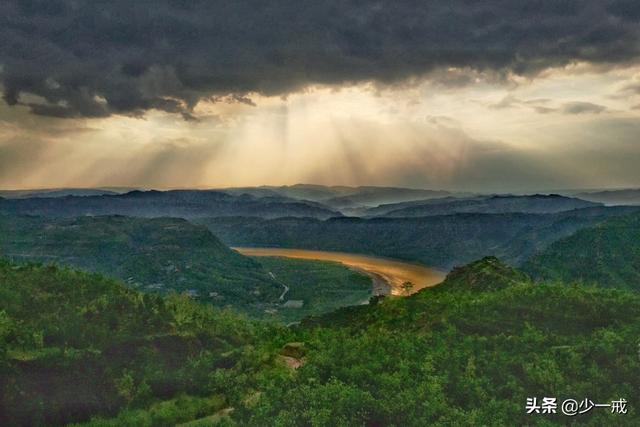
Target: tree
x,y
407,287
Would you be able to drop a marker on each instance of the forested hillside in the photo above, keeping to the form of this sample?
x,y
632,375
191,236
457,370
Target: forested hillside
x,y
164,255
74,345
607,254
319,287
468,352
157,255
438,241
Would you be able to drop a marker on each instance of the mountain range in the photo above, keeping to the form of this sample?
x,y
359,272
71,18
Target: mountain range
x,y
343,196
537,203
59,192
173,203
441,241
612,197
312,201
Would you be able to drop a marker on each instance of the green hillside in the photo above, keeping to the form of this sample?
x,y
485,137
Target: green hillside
x,y
73,345
320,287
158,255
607,255
465,353
468,352
172,255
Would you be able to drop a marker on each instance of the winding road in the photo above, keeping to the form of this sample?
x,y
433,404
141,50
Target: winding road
x,y
286,288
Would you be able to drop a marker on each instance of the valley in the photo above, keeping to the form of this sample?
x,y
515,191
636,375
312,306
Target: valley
x,y
238,306
319,213
440,241
392,273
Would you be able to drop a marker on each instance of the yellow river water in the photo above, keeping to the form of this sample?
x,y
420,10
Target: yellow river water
x,y
394,272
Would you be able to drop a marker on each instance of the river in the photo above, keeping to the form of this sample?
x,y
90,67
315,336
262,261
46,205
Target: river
x,y
388,274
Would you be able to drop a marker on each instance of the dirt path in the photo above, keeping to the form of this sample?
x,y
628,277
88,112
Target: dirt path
x,y
286,288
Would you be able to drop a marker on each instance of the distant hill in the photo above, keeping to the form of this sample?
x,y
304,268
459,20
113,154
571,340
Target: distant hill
x,y
374,196
613,197
349,200
439,241
537,203
160,255
607,254
174,203
63,192
312,192
385,208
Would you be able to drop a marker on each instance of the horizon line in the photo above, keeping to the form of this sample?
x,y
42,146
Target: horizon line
x,y
206,188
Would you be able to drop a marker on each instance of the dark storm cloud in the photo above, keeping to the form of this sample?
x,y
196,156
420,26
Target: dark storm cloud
x,y
94,59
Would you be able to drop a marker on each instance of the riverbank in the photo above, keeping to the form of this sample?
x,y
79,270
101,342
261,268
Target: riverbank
x,y
389,276
379,285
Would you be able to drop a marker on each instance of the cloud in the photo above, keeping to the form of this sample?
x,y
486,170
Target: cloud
x,y
95,59
442,121
506,102
510,101
630,89
582,108
538,105
544,110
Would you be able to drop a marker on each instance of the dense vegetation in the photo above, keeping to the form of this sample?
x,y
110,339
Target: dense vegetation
x,y
321,286
607,254
465,353
439,241
160,255
77,347
74,345
172,255
468,352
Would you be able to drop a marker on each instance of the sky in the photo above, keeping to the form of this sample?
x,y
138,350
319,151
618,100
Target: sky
x,y
499,96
